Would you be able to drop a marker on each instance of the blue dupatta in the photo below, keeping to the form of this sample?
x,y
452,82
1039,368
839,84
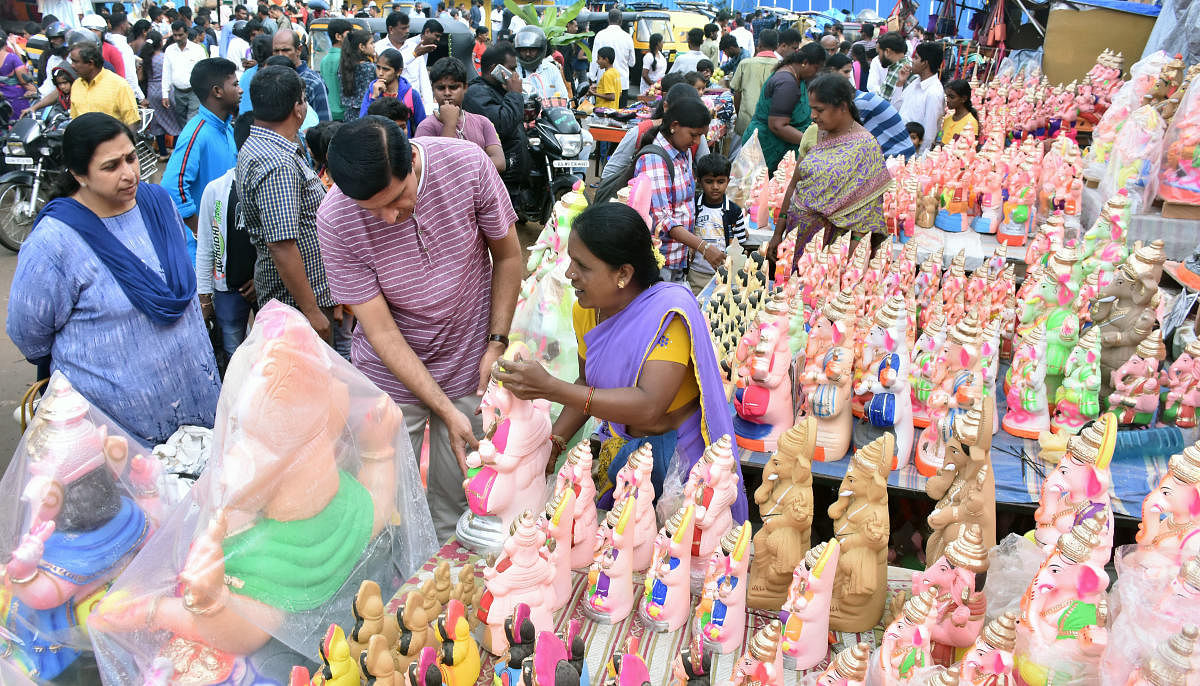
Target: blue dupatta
x,y
618,347
164,302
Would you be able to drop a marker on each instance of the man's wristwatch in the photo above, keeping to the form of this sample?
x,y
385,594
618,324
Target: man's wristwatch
x,y
498,338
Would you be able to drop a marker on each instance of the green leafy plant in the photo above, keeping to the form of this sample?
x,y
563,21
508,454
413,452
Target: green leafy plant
x,y
554,23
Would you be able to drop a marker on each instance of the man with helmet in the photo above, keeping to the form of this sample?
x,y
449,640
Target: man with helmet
x,y
54,55
541,76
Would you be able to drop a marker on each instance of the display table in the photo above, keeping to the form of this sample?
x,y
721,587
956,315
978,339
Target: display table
x,y
658,650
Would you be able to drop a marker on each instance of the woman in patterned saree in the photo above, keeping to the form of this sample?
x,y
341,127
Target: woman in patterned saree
x,y
840,176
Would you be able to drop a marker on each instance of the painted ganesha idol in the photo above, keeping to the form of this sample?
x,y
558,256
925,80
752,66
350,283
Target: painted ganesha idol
x,y
312,488
90,510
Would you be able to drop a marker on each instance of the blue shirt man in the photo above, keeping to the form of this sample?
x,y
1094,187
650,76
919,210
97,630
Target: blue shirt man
x,y
204,149
286,42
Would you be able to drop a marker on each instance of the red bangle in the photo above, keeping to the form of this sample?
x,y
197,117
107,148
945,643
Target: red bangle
x,y
588,403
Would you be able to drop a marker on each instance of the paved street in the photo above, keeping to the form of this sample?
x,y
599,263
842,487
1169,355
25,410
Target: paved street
x,y
15,372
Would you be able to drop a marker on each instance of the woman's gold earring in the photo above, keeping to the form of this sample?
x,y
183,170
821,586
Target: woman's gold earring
x,y
620,284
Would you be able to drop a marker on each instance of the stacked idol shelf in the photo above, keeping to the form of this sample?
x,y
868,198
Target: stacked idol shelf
x,y
924,367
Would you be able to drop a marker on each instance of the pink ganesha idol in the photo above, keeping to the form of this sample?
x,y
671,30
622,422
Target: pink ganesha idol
x,y
828,380
763,400
666,604
523,573
507,473
1064,612
989,662
633,482
609,595
1079,487
1170,525
953,577
805,613
712,486
906,645
576,475
91,509
886,377
726,627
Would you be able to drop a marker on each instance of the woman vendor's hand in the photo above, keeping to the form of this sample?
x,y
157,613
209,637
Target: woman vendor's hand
x,y
773,249
525,379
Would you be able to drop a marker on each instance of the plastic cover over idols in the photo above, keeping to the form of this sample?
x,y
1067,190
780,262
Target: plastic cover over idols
x,y
312,488
76,505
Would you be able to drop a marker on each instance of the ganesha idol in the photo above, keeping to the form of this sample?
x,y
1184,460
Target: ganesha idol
x,y
961,608
90,510
805,613
828,377
1079,487
763,399
1170,523
1061,633
885,376
507,473
665,605
1182,380
311,489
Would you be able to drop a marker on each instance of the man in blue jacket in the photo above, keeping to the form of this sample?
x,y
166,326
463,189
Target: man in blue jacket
x,y
205,149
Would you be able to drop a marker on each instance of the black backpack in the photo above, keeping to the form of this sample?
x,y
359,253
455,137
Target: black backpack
x,y
608,188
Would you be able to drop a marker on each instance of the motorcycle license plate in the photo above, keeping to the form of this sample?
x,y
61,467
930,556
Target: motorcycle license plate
x,y
18,160
571,164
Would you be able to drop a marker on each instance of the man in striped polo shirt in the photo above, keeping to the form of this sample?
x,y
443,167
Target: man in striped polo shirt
x,y
418,237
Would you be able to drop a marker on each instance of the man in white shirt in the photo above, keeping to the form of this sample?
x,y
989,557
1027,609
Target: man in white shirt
x,y
397,34
688,60
744,37
178,59
923,99
116,38
416,58
616,38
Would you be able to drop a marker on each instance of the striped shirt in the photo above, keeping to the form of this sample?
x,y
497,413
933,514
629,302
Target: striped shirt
x,y
433,269
280,194
672,198
884,122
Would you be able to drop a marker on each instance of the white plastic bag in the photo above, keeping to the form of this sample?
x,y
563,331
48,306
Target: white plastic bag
x,y
748,165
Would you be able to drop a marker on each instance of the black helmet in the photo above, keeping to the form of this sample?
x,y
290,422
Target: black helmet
x,y
530,37
239,28
56,29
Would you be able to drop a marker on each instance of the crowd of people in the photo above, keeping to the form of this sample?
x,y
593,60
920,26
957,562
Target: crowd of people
x,y
374,192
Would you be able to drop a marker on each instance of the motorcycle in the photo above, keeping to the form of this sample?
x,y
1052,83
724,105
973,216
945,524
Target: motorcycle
x,y
33,153
555,140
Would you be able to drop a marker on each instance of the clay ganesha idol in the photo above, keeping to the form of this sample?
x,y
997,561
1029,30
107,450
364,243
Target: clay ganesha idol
x,y
785,502
827,380
861,524
805,613
1171,512
92,508
666,603
511,464
961,608
309,480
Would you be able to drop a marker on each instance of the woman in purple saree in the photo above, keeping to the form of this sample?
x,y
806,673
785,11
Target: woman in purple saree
x,y
647,367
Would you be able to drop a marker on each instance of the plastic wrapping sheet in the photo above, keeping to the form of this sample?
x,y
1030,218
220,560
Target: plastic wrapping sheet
x,y
76,506
1146,607
1180,178
1012,564
1128,98
1177,30
1133,162
312,487
748,165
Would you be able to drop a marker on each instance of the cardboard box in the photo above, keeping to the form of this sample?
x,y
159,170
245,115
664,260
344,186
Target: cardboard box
x,y
1075,37
1179,210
